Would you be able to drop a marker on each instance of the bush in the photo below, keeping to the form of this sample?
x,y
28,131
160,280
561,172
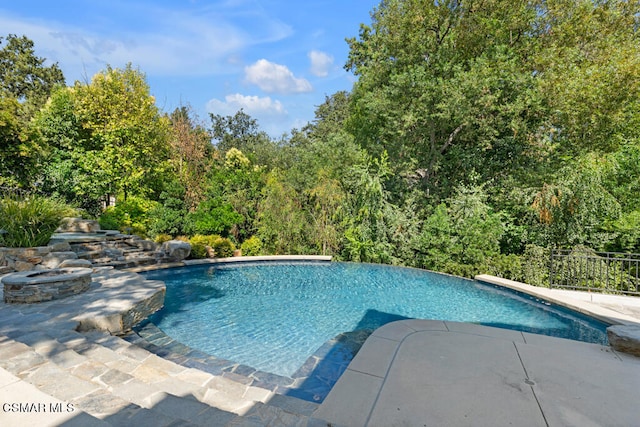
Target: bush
x,y
199,243
161,238
30,220
252,246
223,247
506,266
535,265
130,216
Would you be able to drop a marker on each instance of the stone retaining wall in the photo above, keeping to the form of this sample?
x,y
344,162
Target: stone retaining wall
x,y
40,257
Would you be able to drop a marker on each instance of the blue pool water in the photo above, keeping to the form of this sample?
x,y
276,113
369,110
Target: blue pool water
x,y
273,316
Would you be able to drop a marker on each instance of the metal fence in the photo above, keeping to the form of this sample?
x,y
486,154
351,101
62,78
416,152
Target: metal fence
x,y
611,272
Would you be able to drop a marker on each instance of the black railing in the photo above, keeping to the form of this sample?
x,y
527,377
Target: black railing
x,y
611,272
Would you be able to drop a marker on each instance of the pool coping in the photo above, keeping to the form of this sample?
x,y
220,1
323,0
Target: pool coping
x,y
573,302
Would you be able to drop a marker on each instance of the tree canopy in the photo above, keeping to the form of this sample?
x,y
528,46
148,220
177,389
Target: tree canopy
x,y
478,136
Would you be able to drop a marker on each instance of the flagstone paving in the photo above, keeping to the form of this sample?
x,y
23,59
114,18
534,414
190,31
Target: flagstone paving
x,y
95,378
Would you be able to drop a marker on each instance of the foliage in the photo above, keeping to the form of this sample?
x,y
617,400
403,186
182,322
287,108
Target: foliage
x,y
23,75
281,222
29,220
442,87
161,238
18,151
574,210
191,152
199,243
535,265
131,216
128,136
252,246
223,247
212,216
168,216
462,237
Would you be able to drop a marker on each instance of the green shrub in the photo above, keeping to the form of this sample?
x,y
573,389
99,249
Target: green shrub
x,y
130,216
506,266
252,246
161,238
30,220
199,243
535,265
223,247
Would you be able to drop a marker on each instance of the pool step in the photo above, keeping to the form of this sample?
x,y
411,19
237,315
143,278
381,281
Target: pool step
x,y
122,384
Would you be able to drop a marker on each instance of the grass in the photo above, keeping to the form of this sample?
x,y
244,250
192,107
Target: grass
x,y
29,220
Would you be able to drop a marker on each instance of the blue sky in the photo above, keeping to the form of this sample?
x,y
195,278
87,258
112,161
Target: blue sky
x,y
276,59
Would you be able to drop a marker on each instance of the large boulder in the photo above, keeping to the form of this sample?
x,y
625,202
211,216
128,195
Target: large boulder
x,y
176,250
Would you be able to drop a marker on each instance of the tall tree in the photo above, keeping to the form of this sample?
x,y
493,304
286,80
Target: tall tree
x,y
191,154
587,62
107,138
25,85
24,76
128,134
442,87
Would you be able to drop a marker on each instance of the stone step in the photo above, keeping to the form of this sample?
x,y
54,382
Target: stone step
x,y
90,255
122,384
96,389
141,377
125,263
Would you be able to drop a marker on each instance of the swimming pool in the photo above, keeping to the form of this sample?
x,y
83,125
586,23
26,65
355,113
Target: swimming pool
x,y
273,316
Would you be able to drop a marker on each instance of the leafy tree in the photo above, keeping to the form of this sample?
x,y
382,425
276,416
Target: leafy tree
x,y
375,229
128,136
25,85
462,236
330,116
212,216
588,66
575,209
241,131
63,173
169,216
191,154
23,75
442,88
18,151
281,221
238,183
325,202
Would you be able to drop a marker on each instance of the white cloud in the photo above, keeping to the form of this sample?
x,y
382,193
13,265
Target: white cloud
x,y
252,105
275,78
194,41
320,63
